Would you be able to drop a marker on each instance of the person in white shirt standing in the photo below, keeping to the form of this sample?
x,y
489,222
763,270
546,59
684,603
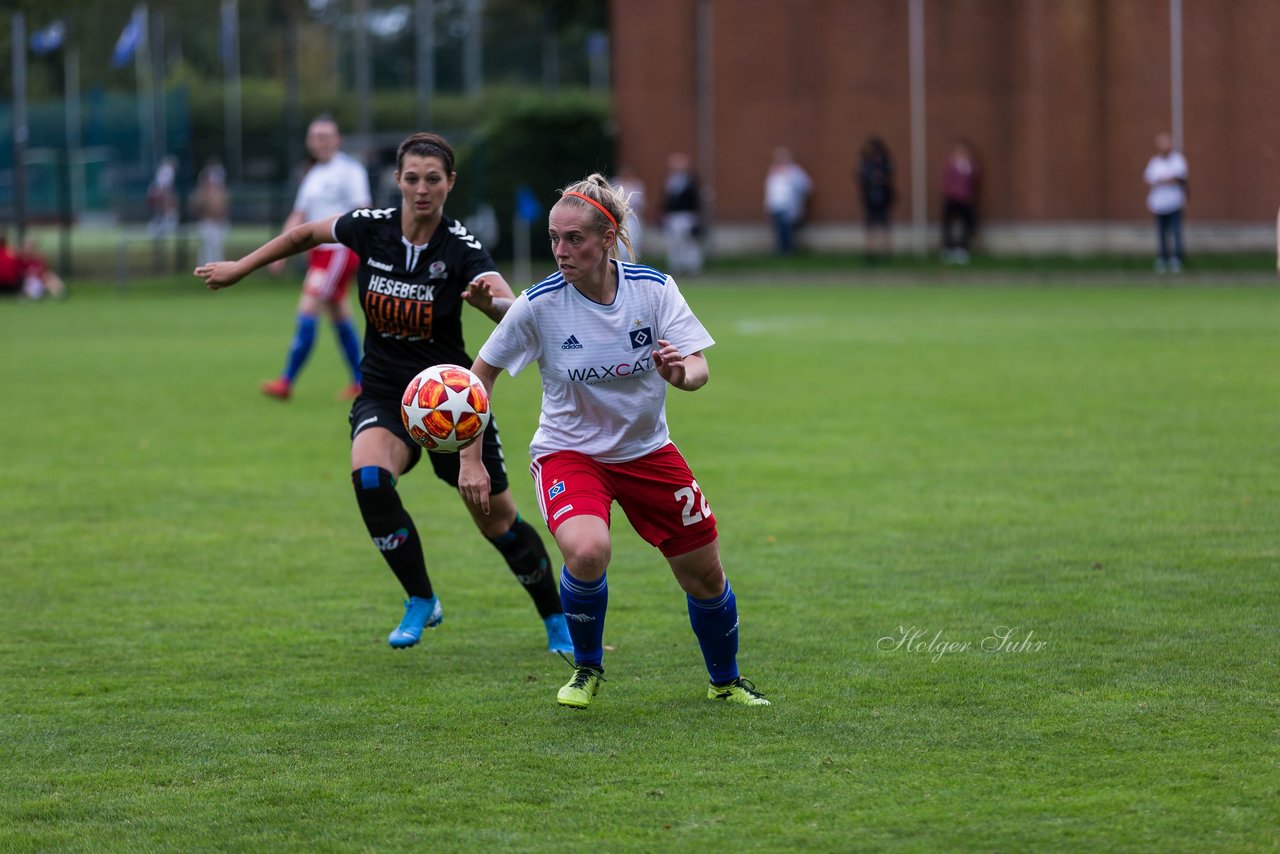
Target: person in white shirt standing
x,y
609,337
786,195
335,184
1166,175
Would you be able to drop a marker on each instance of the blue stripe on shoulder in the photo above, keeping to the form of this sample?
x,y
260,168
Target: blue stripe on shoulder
x,y
641,271
531,295
548,285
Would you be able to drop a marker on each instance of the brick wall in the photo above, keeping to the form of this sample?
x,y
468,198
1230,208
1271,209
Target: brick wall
x,y
1062,99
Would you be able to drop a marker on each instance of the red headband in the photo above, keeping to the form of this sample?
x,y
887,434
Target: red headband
x,y
602,208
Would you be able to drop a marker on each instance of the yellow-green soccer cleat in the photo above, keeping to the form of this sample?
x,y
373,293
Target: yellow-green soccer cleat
x,y
584,685
739,691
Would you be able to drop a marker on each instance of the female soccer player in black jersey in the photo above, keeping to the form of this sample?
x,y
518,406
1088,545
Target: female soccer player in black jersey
x,y
417,268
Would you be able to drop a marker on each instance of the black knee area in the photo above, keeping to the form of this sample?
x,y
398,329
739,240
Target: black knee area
x,y
380,505
379,502
391,528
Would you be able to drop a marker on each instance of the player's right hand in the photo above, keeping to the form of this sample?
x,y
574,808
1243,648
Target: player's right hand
x,y
219,274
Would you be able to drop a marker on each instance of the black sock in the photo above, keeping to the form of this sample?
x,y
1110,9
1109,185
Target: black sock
x,y
527,557
392,529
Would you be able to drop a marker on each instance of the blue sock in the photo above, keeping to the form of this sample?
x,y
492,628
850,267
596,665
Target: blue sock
x,y
350,345
584,605
304,337
715,622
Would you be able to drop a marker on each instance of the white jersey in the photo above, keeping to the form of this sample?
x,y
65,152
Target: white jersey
x,y
1165,198
332,188
601,393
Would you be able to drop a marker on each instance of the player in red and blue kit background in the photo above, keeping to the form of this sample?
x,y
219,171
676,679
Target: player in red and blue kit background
x,y
334,184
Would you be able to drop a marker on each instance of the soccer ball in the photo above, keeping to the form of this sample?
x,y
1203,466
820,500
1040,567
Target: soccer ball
x,y
445,408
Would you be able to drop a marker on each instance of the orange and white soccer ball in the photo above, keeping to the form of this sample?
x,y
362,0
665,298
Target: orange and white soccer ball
x,y
445,408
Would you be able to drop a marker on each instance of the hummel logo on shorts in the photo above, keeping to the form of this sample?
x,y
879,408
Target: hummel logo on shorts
x,y
571,343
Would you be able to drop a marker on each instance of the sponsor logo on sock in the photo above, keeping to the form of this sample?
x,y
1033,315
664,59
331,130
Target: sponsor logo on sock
x,y
579,618
392,541
734,629
571,343
533,577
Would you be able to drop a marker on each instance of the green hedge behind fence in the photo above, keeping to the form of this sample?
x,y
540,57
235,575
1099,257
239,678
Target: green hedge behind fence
x,y
505,138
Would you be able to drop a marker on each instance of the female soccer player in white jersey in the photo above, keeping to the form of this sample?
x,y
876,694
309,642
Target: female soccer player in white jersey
x,y
417,269
609,337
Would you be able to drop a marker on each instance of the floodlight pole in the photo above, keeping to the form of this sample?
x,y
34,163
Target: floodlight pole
x,y
1175,72
20,125
705,120
364,81
159,120
919,170
473,49
424,28
233,140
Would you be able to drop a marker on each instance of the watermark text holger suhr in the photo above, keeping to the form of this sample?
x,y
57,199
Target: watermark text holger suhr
x,y
1002,639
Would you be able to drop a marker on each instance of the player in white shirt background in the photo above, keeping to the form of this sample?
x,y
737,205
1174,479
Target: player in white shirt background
x,y
609,337
335,184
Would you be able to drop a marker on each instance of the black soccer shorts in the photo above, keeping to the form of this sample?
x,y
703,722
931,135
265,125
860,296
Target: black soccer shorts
x,y
369,412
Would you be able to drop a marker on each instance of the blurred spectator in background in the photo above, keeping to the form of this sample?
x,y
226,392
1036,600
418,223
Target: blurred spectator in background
x,y
1166,175
38,280
681,208
875,183
10,269
632,189
786,195
960,177
162,199
211,206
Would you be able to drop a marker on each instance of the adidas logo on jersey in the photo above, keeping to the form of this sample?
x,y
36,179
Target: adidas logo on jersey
x,y
571,343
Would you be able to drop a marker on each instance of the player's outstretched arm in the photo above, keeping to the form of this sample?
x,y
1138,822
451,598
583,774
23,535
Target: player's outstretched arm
x,y
292,221
491,294
473,478
224,274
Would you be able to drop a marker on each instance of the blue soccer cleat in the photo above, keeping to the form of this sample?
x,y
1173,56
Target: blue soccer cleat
x,y
419,613
558,639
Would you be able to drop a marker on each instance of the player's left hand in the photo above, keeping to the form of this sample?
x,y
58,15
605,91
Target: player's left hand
x,y
669,362
480,294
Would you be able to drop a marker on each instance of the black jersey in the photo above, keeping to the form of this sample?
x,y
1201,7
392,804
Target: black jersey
x,y
411,295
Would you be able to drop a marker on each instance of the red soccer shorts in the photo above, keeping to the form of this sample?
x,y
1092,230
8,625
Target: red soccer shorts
x,y
657,492
329,272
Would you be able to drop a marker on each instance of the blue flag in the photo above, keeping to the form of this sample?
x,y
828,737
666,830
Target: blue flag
x,y
130,37
49,39
528,208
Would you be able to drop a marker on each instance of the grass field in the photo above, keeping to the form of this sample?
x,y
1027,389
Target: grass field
x,y
192,636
